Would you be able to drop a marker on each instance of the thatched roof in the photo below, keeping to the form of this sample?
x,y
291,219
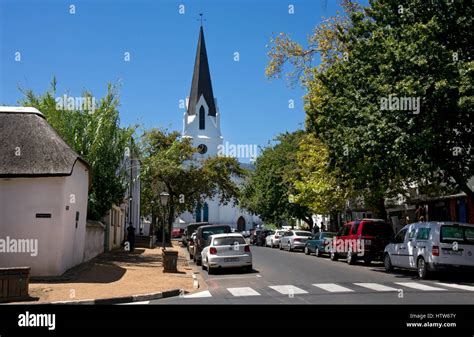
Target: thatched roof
x,y
29,146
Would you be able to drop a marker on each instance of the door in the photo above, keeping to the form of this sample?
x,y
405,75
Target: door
x,y
240,224
398,248
407,260
422,244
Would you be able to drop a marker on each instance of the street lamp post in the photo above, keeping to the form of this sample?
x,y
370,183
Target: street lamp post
x,y
152,227
164,201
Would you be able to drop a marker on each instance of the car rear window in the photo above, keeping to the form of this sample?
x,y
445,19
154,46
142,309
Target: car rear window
x,y
303,234
215,230
229,241
377,229
460,234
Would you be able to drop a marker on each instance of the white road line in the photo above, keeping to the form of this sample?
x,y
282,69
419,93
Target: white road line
x,y
141,302
243,291
376,286
200,294
457,286
418,286
288,289
332,287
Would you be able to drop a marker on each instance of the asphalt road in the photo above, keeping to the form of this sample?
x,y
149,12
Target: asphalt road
x,y
281,277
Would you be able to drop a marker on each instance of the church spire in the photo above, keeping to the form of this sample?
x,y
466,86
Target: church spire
x,y
201,83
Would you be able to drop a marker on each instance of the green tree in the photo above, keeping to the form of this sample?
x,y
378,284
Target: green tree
x,y
419,50
170,164
268,191
96,135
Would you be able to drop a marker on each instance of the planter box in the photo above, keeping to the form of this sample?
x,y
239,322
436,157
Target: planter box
x,y
14,283
170,261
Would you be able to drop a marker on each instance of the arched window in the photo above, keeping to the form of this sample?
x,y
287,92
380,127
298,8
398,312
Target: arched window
x,y
198,213
205,212
202,118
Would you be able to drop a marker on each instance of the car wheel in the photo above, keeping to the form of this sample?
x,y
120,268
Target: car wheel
x,y
350,257
387,263
209,269
422,269
272,245
203,266
306,250
334,256
317,252
198,261
249,269
281,247
289,247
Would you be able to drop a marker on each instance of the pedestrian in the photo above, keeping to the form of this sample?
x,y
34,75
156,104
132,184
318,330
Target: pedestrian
x,y
131,237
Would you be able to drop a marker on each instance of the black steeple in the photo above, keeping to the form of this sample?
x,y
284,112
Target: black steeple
x,y
201,84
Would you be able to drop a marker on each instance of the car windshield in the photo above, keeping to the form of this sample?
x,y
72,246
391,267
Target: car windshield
x,y
216,230
377,229
229,241
303,233
460,234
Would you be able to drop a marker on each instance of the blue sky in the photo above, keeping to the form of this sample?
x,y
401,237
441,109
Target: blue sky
x,y
86,50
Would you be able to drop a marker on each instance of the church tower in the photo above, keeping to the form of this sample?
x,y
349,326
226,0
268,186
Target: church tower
x,y
202,117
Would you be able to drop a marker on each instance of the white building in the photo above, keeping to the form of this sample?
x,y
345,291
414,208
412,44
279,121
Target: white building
x,y
43,195
201,123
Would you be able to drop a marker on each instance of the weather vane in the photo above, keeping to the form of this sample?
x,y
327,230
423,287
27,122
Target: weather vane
x,y
201,14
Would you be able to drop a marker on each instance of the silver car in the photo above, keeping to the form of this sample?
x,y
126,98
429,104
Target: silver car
x,y
274,239
294,239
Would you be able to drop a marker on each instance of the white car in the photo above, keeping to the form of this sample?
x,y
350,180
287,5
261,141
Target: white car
x,y
274,239
294,239
226,251
431,246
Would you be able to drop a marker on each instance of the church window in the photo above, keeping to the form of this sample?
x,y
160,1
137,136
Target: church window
x,y
198,213
206,212
202,118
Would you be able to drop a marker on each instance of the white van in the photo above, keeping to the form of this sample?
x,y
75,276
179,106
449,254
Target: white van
x,y
431,246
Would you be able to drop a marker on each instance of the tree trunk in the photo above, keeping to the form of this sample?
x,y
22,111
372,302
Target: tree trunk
x,y
309,221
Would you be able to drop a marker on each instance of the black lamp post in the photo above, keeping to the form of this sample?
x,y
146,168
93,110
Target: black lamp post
x,y
164,201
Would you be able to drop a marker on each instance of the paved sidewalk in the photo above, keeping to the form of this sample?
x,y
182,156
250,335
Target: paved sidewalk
x,y
115,274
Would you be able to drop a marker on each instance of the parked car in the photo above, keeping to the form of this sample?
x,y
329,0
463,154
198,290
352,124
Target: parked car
x,y
431,246
262,236
190,229
226,251
362,239
319,243
177,232
254,233
202,234
294,239
273,240
191,245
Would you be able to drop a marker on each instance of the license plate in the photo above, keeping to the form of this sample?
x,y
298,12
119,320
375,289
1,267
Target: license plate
x,y
231,259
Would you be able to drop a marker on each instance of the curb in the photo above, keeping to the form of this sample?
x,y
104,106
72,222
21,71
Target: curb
x,y
125,299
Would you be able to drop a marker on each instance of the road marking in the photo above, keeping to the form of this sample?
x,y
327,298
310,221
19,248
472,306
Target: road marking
x,y
243,291
288,289
376,286
141,302
457,286
418,286
232,277
332,287
205,293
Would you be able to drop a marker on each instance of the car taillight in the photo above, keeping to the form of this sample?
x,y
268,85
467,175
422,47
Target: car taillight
x,y
247,248
435,251
212,250
191,241
296,239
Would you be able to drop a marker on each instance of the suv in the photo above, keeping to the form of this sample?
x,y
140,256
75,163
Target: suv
x,y
431,246
190,229
202,234
361,239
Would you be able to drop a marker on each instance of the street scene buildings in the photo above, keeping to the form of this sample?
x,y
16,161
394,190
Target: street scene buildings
x,y
348,198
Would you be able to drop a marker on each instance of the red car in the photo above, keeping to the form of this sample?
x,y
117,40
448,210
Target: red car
x,y
177,232
361,239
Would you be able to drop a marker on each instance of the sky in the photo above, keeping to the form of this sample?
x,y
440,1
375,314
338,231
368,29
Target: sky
x,y
86,50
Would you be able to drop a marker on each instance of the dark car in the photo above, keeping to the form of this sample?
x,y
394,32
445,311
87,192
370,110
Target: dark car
x,y
202,234
190,229
319,243
362,239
